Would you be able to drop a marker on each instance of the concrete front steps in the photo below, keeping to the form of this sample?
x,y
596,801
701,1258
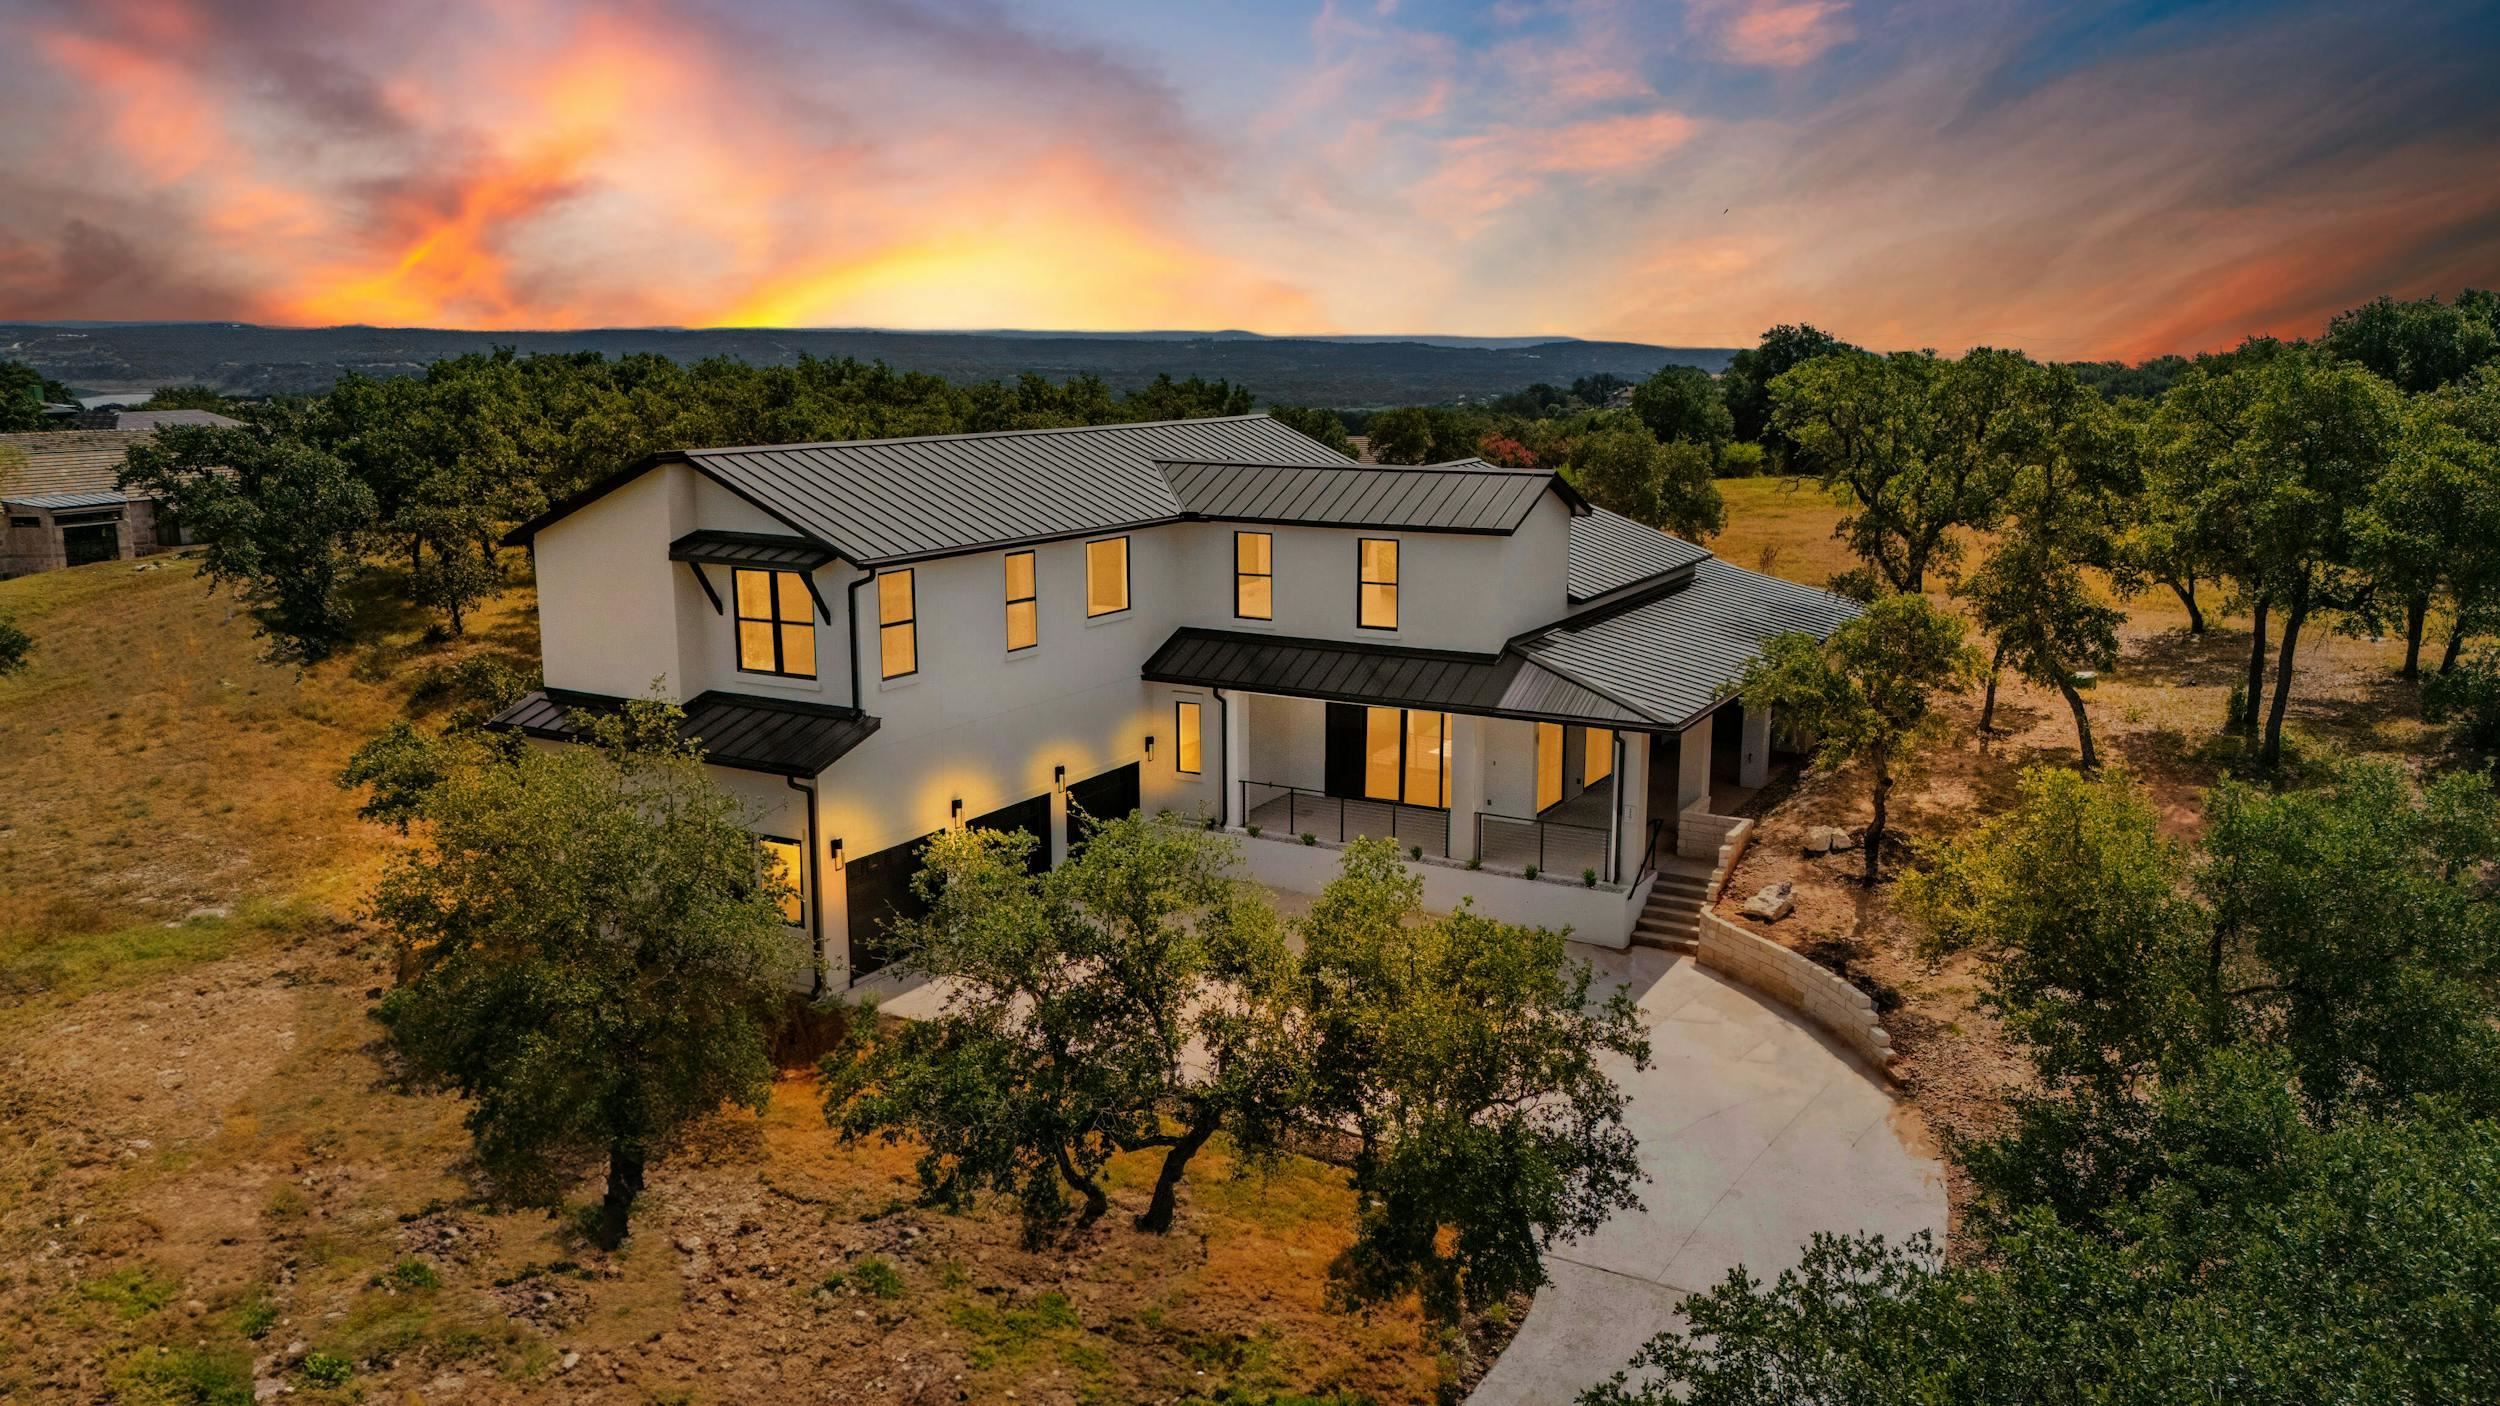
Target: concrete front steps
x,y
1672,918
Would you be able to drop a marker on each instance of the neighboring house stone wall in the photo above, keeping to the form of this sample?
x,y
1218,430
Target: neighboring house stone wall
x,y
30,537
1765,967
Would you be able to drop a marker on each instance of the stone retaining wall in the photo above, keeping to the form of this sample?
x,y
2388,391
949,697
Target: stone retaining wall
x,y
1698,833
1768,969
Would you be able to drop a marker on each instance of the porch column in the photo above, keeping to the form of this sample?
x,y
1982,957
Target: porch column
x,y
1753,766
1466,783
1692,776
1632,763
1236,715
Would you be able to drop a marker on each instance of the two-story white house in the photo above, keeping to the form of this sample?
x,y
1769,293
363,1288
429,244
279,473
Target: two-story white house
x,y
878,640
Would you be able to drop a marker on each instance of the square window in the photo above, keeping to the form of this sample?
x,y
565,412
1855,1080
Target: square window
x,y
776,623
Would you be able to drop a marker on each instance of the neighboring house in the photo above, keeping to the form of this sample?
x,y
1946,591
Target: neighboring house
x,y
116,418
63,505
879,640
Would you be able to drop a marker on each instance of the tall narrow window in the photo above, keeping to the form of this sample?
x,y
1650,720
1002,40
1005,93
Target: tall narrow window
x,y
1382,729
1106,576
1254,576
898,624
1598,762
1377,603
1187,755
776,623
1549,766
1024,625
781,867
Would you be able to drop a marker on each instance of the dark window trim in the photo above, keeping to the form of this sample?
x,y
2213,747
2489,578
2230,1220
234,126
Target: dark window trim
x,y
1007,612
799,849
1360,581
1128,581
910,622
1201,768
739,618
1268,575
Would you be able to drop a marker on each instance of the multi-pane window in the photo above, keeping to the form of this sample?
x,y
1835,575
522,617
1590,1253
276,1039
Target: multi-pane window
x,y
1377,586
1188,754
1024,625
1254,576
776,623
781,869
1106,576
1598,762
898,624
1406,756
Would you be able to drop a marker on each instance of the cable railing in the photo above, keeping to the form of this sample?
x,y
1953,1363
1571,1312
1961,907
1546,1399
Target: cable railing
x,y
1283,812
1520,843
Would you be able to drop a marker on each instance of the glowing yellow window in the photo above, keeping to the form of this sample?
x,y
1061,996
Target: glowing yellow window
x,y
1381,736
1598,762
776,623
1187,754
1549,765
1254,576
1377,606
1024,625
1106,576
1427,759
781,868
898,626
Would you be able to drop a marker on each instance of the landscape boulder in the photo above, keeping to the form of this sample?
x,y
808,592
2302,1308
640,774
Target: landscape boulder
x,y
1770,904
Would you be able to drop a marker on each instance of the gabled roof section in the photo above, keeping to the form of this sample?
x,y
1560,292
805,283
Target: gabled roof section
x,y
1610,551
1672,658
1467,495
777,736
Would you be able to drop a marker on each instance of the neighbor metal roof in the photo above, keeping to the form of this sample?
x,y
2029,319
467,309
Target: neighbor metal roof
x,y
778,736
1610,551
749,549
63,502
1354,671
878,502
1672,658
1467,495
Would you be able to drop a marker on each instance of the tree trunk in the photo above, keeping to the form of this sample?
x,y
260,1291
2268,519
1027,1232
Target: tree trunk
x,y
2090,760
625,1161
1095,1201
1158,1216
1988,709
2256,668
2186,592
2456,644
1875,828
2273,752
2417,610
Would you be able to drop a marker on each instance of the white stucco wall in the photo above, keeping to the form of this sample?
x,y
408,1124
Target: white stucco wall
x,y
1601,916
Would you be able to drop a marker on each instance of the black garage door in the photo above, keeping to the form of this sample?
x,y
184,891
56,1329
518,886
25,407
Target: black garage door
x,y
1109,796
881,898
1030,816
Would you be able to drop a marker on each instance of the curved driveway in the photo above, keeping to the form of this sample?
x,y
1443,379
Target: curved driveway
x,y
1756,1132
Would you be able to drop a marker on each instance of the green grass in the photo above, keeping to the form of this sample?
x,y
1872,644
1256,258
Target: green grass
x,y
65,962
183,1377
1013,1335
871,1275
131,1291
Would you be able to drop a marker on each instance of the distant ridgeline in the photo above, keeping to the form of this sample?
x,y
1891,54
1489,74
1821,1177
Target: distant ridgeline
x,y
1352,373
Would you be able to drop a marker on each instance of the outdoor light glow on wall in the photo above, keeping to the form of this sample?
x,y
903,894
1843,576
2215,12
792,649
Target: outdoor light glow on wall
x,y
1150,746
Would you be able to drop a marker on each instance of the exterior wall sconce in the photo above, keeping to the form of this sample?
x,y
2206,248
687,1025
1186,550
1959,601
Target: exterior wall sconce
x,y
837,851
1059,778
1150,746
955,812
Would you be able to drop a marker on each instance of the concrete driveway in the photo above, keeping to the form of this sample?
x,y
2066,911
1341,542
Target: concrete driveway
x,y
1756,1132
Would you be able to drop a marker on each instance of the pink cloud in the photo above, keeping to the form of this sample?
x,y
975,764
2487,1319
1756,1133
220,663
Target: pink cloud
x,y
1772,33
1484,172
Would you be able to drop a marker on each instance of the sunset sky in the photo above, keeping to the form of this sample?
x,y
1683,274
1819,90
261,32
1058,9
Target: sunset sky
x,y
2079,179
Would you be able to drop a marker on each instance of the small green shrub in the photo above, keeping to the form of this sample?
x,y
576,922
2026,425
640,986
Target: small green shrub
x,y
1531,871
185,1376
1253,831
1588,878
327,1369
1474,863
1309,839
255,1316
877,1278
410,1274
1414,851
131,1291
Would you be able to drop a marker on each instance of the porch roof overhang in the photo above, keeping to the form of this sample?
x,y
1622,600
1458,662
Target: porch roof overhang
x,y
776,736
1505,685
752,549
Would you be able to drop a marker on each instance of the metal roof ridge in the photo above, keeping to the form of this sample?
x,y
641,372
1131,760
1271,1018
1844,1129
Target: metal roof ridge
x,y
985,434
1525,658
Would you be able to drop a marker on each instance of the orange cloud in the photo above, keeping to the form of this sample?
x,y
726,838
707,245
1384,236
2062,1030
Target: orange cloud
x,y
1773,33
1484,172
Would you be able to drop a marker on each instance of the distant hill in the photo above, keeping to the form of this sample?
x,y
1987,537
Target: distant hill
x,y
1347,372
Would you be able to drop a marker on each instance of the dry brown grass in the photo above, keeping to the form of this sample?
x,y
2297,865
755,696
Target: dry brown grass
x,y
202,1138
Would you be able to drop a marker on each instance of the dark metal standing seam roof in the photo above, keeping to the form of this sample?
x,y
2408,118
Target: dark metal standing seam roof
x,y
1610,551
781,737
880,502
1673,657
1343,671
749,549
1468,495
